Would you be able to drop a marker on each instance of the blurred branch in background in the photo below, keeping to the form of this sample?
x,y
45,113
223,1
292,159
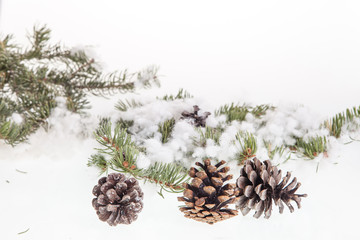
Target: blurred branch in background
x,y
33,78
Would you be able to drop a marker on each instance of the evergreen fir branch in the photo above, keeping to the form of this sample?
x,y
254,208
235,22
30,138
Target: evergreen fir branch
x,y
40,38
233,112
182,94
10,132
238,112
313,146
336,123
170,176
260,110
99,161
123,106
125,124
32,78
123,153
207,133
166,129
280,150
248,146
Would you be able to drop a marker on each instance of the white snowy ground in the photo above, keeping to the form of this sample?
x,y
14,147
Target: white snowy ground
x,y
259,52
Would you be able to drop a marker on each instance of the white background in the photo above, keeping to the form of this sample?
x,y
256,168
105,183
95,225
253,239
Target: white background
x,y
258,51
280,52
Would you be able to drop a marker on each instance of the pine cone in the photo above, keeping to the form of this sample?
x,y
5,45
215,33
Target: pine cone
x,y
118,199
259,184
195,119
206,198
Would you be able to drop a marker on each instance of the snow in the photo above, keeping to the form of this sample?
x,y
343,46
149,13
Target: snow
x,y
302,58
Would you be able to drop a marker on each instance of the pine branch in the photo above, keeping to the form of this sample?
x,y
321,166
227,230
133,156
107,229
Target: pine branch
x,y
99,161
123,106
182,94
169,176
279,150
207,133
125,124
248,146
238,112
118,145
10,132
336,123
166,129
312,147
32,78
123,153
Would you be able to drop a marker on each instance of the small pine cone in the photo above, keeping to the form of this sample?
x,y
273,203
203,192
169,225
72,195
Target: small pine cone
x,y
207,198
195,119
260,183
118,199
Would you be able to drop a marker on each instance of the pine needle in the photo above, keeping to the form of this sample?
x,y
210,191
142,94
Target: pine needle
x,y
248,146
24,231
21,171
182,94
166,129
312,147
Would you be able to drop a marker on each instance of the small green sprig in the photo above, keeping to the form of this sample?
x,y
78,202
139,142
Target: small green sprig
x,y
122,154
99,161
248,146
170,176
123,106
32,78
312,147
207,133
238,112
166,129
280,150
182,94
336,123
118,145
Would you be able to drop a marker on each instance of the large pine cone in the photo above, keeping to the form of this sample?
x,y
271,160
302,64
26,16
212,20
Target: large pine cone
x,y
206,198
194,118
259,184
118,199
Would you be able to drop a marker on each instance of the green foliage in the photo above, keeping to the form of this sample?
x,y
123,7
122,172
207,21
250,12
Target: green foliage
x,y
313,146
248,146
260,110
123,106
122,155
207,133
169,176
182,94
336,123
166,129
238,112
98,161
117,144
32,78
10,132
280,150
125,124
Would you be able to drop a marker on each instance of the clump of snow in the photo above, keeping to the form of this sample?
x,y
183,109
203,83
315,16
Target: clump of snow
x,y
145,77
143,161
17,118
282,125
